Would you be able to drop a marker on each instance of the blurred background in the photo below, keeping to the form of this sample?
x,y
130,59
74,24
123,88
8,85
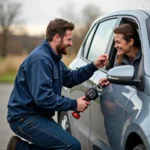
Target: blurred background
x,y
23,24
22,27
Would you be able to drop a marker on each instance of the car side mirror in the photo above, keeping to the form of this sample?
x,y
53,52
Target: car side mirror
x,y
123,75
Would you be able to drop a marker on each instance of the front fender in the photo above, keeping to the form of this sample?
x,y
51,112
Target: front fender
x,y
134,129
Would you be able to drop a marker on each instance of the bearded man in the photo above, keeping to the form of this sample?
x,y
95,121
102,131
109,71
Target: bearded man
x,y
37,93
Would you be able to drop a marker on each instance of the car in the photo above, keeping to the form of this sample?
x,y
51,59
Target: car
x,y
125,125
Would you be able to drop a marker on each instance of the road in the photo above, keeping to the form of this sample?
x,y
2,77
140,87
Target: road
x,y
5,131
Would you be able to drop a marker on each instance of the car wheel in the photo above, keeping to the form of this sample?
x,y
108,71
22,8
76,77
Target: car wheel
x,y
64,121
140,147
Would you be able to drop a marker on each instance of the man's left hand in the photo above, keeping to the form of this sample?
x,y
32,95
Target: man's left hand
x,y
101,61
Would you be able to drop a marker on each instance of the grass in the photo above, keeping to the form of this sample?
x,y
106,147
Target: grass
x,y
9,67
7,77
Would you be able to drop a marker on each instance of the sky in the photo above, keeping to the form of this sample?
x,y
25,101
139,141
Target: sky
x,y
37,13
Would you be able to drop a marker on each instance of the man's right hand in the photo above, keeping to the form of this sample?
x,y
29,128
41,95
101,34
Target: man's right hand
x,y
82,104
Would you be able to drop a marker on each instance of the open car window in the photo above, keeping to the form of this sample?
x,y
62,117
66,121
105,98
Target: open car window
x,y
113,50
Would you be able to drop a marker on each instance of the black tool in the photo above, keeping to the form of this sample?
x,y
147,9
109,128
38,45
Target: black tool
x,y
91,94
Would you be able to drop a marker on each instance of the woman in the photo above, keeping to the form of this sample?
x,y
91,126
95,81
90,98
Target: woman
x,y
128,46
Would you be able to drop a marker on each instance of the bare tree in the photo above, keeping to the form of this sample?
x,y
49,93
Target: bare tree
x,y
70,12
9,13
90,12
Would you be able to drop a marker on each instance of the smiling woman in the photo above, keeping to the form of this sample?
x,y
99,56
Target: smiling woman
x,y
128,46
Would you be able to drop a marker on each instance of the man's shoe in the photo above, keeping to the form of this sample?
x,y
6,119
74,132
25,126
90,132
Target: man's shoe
x,y
13,142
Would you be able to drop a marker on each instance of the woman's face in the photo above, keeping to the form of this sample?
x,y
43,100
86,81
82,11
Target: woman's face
x,y
123,47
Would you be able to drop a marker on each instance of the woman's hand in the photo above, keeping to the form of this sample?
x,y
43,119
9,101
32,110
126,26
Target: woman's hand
x,y
103,81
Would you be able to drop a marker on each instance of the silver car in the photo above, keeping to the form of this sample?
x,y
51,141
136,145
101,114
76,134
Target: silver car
x,y
125,125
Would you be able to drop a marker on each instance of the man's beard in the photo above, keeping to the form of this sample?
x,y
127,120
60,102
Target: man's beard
x,y
61,48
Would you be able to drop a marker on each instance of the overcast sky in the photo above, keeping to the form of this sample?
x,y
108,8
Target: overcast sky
x,y
37,13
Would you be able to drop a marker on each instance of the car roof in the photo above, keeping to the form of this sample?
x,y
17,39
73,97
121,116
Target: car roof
x,y
132,12
147,11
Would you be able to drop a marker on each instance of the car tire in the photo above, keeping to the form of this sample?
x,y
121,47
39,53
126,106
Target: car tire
x,y
140,147
64,122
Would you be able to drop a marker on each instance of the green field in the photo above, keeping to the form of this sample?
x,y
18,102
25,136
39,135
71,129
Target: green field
x,y
8,77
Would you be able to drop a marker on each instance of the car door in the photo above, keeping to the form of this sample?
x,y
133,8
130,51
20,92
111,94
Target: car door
x,y
109,111
81,127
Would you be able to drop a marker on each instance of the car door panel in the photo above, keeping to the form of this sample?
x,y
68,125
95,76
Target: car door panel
x,y
81,127
108,113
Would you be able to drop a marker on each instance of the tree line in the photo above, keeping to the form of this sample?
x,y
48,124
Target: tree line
x,y
10,13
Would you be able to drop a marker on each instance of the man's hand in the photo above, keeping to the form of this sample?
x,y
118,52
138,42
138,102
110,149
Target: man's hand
x,y
103,82
82,104
101,61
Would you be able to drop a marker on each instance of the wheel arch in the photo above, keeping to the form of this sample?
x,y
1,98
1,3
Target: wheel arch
x,y
134,135
133,140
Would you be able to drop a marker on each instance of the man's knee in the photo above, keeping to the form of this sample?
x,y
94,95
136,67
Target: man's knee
x,y
75,145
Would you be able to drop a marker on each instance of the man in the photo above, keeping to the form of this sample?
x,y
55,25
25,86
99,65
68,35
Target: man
x,y
37,93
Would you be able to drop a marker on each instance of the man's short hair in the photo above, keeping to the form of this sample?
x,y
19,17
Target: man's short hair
x,y
58,26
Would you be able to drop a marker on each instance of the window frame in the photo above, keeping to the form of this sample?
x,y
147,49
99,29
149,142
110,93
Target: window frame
x,y
98,24
123,19
88,34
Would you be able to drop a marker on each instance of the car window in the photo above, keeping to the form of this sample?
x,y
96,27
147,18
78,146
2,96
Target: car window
x,y
113,50
101,39
88,41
